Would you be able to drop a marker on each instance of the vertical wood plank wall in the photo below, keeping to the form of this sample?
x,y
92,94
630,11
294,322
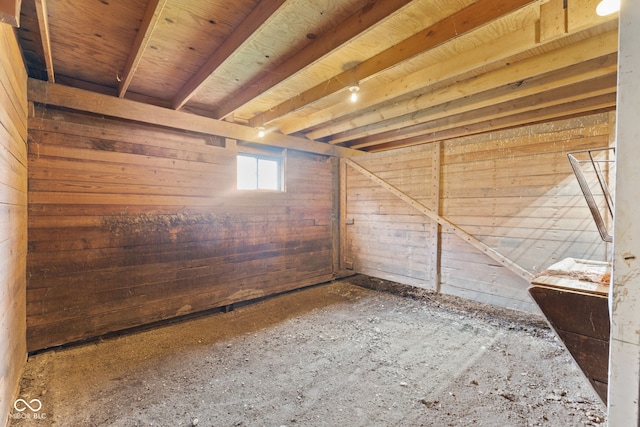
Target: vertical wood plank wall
x,y
513,190
13,217
386,238
131,224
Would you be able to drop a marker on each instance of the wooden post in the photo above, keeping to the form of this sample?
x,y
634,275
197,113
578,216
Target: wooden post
x,y
434,267
624,298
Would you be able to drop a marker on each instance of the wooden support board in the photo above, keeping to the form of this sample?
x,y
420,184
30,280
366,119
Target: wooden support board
x,y
443,222
82,100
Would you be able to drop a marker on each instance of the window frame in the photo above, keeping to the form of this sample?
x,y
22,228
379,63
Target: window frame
x,y
279,156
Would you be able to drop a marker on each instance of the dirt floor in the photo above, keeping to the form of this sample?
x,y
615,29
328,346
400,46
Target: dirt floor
x,y
331,355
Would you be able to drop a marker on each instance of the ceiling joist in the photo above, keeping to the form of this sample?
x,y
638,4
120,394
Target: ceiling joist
x,y
149,22
554,60
426,68
43,23
258,17
365,18
539,100
471,17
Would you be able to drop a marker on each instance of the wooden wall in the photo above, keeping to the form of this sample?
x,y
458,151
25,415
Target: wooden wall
x,y
513,190
13,217
384,237
131,224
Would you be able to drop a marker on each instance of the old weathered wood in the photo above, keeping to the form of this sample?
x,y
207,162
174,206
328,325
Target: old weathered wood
x,y
81,100
133,223
43,23
13,211
443,222
581,320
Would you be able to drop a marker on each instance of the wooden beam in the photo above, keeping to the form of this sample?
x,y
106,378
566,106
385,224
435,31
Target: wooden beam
x,y
78,99
495,105
372,13
10,12
43,24
149,22
399,127
257,18
435,244
471,17
593,105
554,60
443,222
448,69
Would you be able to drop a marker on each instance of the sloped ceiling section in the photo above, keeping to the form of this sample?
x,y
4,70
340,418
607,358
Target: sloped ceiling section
x,y
425,70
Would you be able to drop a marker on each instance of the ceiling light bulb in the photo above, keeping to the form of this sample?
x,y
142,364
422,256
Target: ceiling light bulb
x,y
607,7
260,132
354,92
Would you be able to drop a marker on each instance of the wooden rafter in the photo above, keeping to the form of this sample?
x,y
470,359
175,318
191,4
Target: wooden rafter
x,y
10,12
149,22
43,23
443,222
554,60
258,17
82,100
372,13
471,17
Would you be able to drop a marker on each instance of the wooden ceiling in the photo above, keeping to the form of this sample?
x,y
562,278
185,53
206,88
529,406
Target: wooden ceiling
x,y
427,70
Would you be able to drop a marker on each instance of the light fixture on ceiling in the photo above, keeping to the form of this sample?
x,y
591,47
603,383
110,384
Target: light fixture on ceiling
x,y
354,88
260,132
607,7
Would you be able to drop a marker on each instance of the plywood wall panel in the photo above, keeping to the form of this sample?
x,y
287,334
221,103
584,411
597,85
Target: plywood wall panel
x,y
132,224
13,218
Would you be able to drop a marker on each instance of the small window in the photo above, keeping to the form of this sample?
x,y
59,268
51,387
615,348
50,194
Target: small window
x,y
258,172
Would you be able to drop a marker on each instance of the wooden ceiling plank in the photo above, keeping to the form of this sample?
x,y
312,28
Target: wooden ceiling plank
x,y
554,60
372,13
43,24
465,20
10,12
510,93
257,18
578,91
82,100
594,105
149,22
